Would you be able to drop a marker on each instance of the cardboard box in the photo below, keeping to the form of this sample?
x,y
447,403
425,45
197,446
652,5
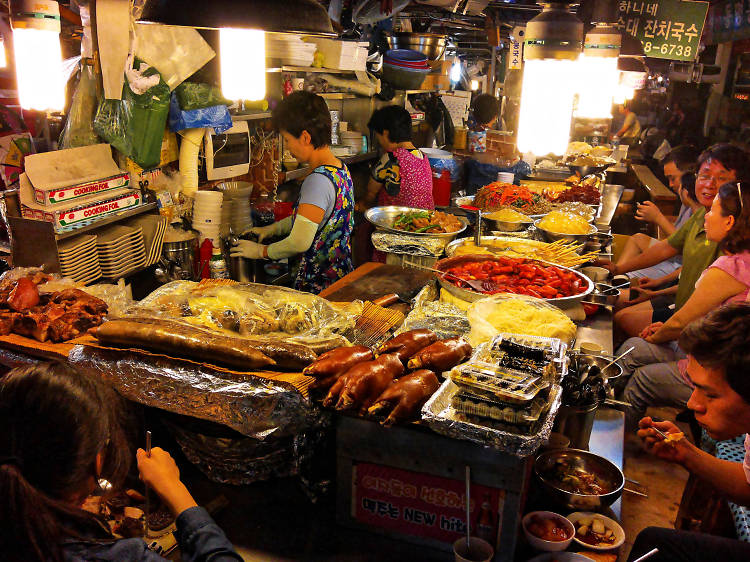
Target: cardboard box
x,y
435,82
62,195
77,212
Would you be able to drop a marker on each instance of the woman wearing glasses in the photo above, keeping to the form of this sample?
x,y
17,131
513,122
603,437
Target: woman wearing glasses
x,y
657,361
718,164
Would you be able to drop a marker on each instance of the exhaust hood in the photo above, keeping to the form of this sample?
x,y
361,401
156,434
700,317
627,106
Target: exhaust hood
x,y
291,16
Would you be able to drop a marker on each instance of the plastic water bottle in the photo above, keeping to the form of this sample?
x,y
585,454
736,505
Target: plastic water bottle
x,y
615,142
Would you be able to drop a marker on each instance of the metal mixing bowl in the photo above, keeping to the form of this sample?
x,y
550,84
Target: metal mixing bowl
x,y
431,45
554,236
603,294
614,371
590,462
507,226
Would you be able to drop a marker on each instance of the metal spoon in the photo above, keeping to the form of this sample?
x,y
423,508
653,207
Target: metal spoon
x,y
616,359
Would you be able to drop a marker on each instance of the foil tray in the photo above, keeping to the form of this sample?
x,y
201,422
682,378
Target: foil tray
x,y
439,415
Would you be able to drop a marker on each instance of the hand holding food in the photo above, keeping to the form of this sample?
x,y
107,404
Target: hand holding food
x,y
331,365
160,472
405,396
648,212
673,448
363,383
647,283
442,355
408,343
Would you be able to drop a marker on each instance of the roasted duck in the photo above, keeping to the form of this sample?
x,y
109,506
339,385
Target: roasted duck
x,y
407,344
363,383
442,355
405,397
331,365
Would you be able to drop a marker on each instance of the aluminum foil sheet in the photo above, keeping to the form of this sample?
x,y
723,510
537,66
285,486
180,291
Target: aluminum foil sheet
x,y
446,320
405,244
254,407
440,416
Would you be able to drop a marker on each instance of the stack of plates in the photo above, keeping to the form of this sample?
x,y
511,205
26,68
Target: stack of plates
x,y
121,250
154,227
290,49
79,259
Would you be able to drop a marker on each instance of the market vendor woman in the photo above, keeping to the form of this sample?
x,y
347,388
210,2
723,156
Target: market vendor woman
x,y
321,226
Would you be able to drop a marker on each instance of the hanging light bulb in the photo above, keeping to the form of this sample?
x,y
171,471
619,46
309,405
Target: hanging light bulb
x,y
598,76
243,63
552,46
37,54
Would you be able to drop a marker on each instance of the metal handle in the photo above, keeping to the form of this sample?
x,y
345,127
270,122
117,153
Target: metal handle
x,y
387,300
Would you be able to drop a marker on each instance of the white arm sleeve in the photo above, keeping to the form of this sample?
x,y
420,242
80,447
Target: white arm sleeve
x,y
284,226
299,240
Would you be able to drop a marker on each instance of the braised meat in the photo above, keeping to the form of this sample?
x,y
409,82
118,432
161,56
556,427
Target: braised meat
x,y
23,296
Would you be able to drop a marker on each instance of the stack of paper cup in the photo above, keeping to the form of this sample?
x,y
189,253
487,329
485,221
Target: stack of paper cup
x,y
235,213
207,214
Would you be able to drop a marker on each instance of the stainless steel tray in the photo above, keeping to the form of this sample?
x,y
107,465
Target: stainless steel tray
x,y
471,296
383,217
442,418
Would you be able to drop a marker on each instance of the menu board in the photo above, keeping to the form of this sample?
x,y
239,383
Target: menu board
x,y
668,29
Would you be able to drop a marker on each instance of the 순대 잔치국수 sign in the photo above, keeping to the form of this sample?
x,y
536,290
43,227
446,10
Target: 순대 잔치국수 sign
x,y
668,29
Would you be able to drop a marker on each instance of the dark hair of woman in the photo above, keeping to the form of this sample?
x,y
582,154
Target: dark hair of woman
x,y
719,341
394,119
729,156
734,199
304,111
687,182
55,422
485,108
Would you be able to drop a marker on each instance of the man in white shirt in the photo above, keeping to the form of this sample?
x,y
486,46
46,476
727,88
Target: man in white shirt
x,y
719,371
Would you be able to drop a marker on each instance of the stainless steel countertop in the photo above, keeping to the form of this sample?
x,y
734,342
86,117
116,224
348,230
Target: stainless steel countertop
x,y
611,195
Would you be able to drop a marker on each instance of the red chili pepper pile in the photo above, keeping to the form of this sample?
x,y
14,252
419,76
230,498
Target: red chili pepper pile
x,y
521,277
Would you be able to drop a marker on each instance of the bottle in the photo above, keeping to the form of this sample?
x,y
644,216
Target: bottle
x,y
615,142
218,266
485,524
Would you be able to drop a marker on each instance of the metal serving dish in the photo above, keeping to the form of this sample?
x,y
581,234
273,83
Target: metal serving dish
x,y
554,236
471,296
596,464
383,217
507,226
495,242
604,294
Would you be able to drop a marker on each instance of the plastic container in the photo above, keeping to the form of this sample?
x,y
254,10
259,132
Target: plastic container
x,y
441,188
491,382
459,138
498,411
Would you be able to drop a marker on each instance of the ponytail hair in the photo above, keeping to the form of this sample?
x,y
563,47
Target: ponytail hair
x,y
55,423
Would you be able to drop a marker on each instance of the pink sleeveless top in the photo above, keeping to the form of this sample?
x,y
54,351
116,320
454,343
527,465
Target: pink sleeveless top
x,y
738,266
416,182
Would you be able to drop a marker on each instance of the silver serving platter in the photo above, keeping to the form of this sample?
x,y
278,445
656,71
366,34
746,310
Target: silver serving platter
x,y
383,217
471,296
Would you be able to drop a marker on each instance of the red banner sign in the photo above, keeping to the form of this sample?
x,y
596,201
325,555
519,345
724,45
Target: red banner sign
x,y
418,504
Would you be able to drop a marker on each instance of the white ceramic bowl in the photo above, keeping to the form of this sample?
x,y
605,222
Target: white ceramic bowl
x,y
541,544
609,523
595,273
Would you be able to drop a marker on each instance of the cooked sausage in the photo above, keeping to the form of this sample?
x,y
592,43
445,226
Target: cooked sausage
x,y
407,344
442,355
181,340
363,383
405,396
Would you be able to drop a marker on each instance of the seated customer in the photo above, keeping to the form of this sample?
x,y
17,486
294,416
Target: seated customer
x,y
719,164
484,109
718,367
403,175
657,379
60,435
679,161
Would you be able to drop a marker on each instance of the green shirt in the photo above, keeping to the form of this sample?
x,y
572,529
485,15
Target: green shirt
x,y
697,254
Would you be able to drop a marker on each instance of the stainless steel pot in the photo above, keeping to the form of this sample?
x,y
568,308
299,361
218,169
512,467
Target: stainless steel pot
x,y
179,258
431,45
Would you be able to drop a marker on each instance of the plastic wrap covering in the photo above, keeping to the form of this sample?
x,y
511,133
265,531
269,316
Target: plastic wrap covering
x,y
405,244
446,320
117,298
257,408
441,417
251,309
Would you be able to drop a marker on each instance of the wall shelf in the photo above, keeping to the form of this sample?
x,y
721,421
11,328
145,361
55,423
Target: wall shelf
x,y
355,159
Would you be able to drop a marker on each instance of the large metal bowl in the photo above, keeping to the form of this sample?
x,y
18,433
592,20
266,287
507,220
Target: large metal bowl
x,y
495,242
383,217
431,45
507,226
471,296
604,294
614,371
555,236
590,462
